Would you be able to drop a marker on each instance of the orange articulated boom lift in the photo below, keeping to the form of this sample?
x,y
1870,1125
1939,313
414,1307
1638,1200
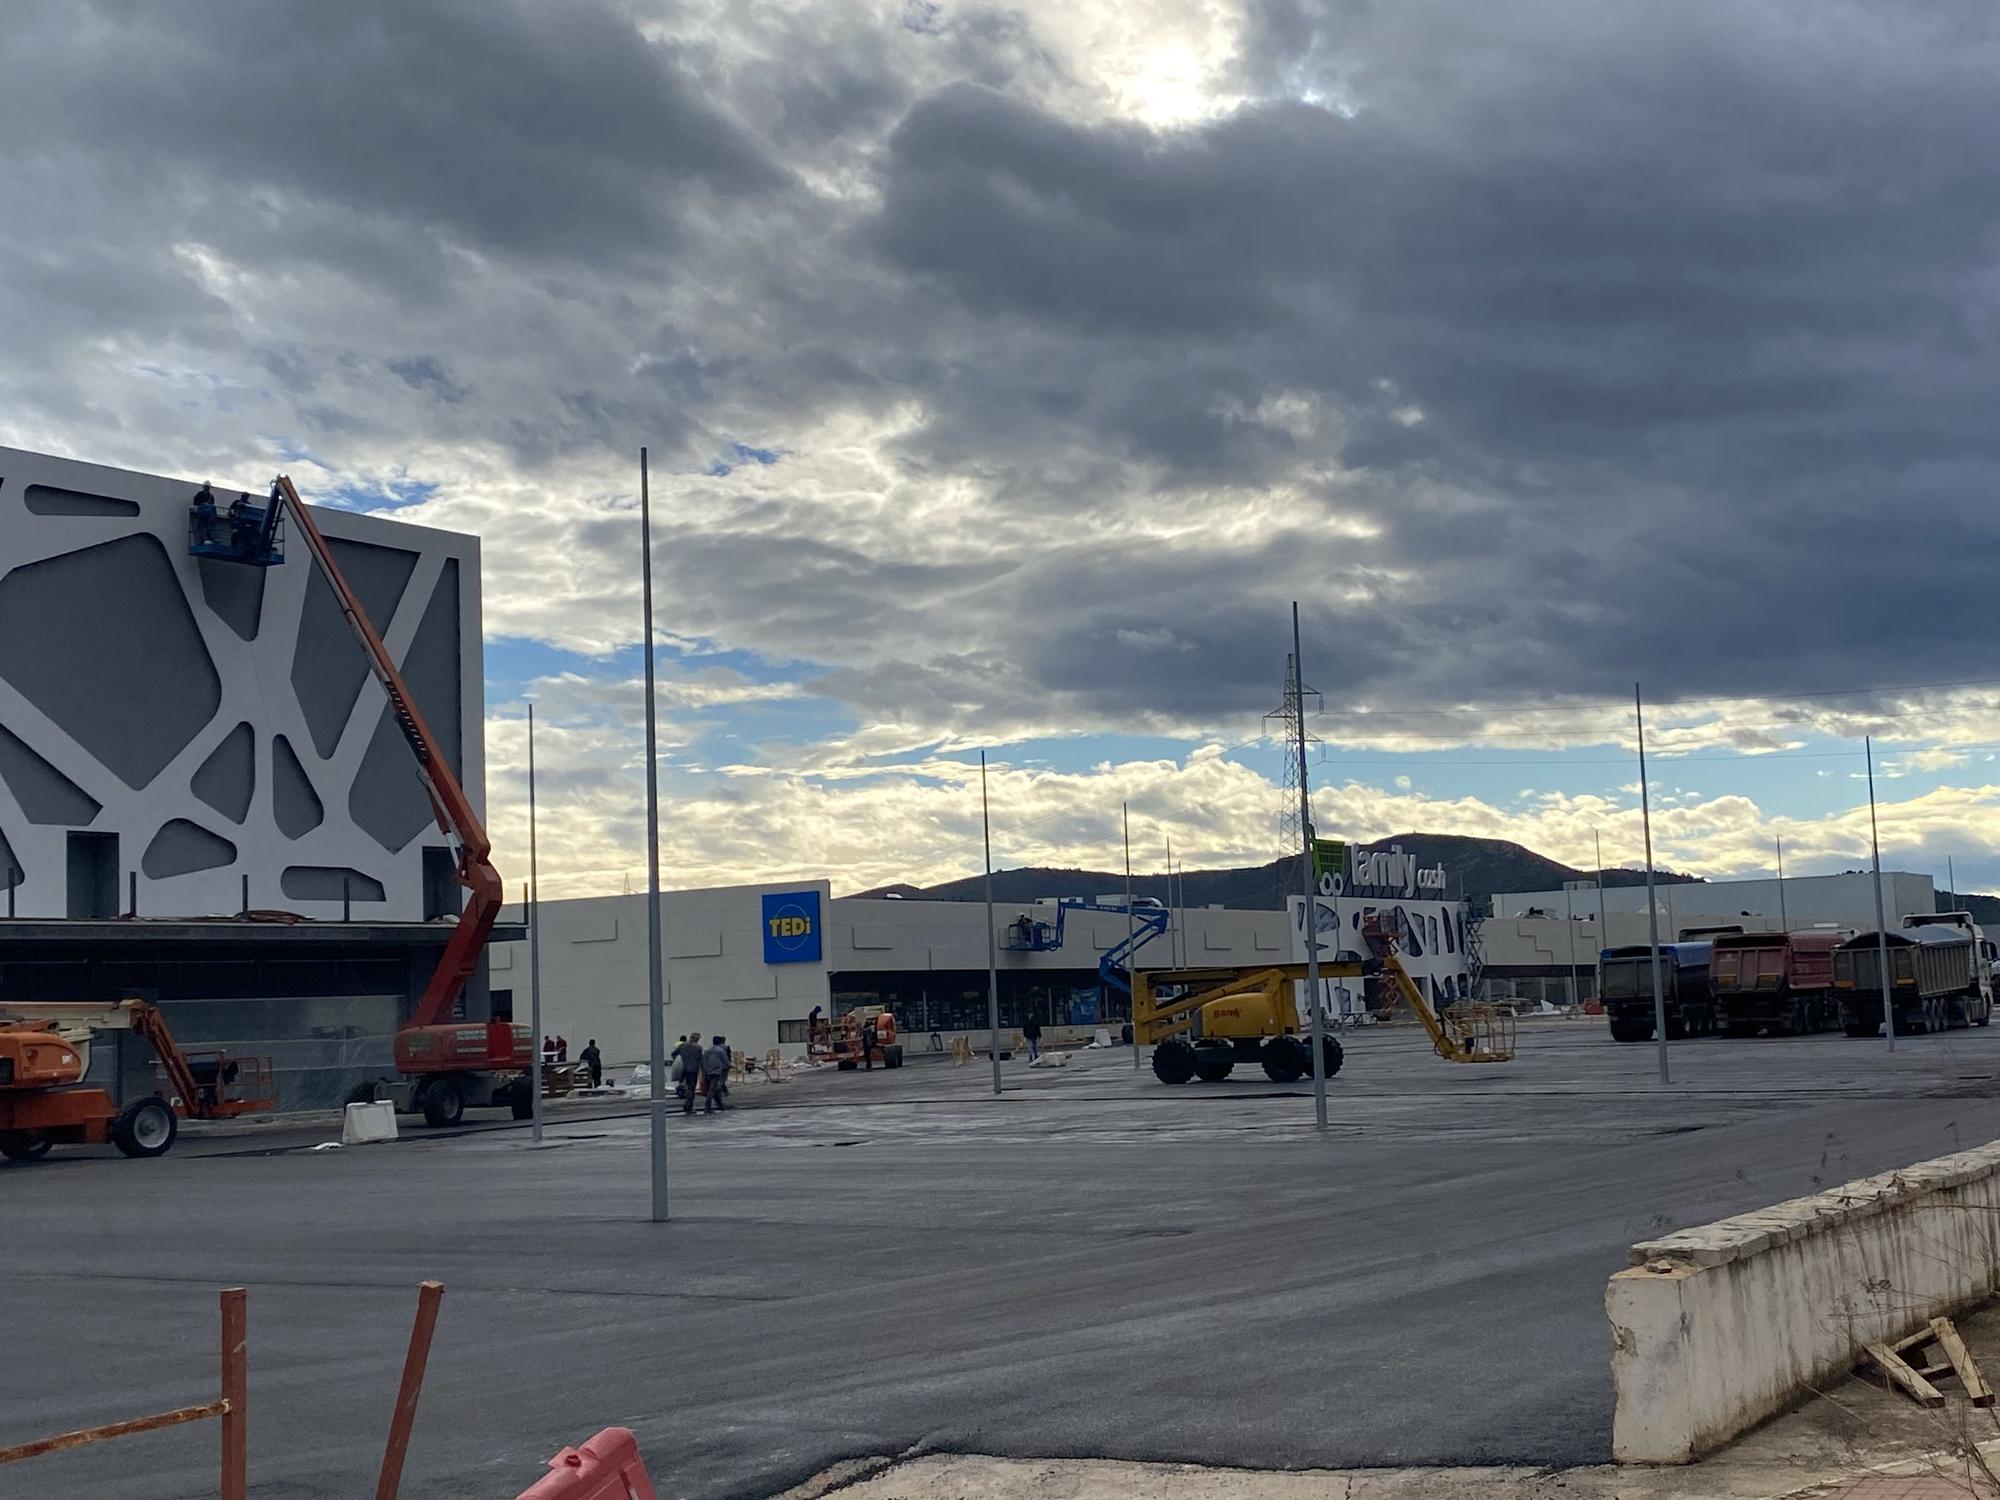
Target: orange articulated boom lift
x,y
442,1065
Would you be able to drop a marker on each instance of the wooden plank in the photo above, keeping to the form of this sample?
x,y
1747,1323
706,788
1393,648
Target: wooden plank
x,y
1921,1336
1961,1361
1891,1364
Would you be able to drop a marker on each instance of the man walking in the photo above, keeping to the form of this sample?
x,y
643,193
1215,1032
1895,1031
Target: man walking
x,y
690,1061
592,1059
715,1069
1031,1033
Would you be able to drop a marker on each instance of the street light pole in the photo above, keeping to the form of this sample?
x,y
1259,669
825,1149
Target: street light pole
x,y
1652,905
1131,931
1881,921
656,969
1784,921
534,943
992,938
1306,879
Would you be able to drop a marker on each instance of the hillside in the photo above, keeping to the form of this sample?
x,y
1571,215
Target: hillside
x,y
1478,868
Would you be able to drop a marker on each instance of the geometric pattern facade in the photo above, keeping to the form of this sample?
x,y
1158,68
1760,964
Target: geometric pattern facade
x,y
220,719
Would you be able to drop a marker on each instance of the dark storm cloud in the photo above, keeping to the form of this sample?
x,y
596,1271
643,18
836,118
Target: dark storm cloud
x,y
1701,299
1536,347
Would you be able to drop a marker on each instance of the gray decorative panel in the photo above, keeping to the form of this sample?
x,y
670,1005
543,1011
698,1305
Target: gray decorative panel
x,y
216,717
293,801
386,800
323,883
44,794
229,775
46,500
235,593
328,666
11,873
182,847
103,642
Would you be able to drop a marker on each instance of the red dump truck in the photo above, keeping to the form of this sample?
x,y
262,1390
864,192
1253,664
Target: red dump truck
x,y
1777,982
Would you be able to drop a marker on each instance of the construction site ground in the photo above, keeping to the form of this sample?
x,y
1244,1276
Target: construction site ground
x,y
882,1266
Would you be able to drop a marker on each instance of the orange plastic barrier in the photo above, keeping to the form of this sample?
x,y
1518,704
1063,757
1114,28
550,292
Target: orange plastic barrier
x,y
608,1467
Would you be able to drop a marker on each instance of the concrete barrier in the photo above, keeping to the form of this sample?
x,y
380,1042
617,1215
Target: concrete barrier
x,y
1716,1328
363,1124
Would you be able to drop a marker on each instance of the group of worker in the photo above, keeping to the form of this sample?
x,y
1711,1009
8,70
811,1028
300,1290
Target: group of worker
x,y
242,516
703,1071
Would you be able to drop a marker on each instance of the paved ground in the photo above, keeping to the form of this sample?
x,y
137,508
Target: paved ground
x,y
1092,1265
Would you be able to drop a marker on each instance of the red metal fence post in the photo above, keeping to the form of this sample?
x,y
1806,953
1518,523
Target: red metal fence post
x,y
429,1294
236,1393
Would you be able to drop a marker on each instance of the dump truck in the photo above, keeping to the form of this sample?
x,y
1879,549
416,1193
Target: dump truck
x,y
1625,984
1937,979
44,1101
1777,982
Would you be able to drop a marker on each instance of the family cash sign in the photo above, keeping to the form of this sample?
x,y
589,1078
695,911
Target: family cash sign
x,y
1385,872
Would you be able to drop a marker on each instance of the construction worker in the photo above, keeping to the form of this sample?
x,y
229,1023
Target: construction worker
x,y
689,1055
1031,1033
715,1072
592,1059
204,514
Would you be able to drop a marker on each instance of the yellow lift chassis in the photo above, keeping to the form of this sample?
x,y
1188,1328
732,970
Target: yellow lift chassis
x,y
1220,1017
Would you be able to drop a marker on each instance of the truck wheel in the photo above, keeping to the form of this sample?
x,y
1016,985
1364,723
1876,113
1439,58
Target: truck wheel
x,y
1624,1030
443,1105
1213,1064
892,1055
1286,1059
24,1145
145,1127
1173,1061
1862,1028
1984,1014
521,1097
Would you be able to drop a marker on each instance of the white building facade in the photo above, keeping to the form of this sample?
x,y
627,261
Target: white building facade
x,y
1847,900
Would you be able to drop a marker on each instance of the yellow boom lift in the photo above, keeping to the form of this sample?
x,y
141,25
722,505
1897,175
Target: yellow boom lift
x,y
1216,1018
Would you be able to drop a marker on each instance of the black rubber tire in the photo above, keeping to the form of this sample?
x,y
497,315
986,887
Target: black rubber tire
x,y
521,1098
1212,1064
1335,1054
361,1093
1983,1015
1286,1059
1631,1031
1862,1028
442,1103
892,1055
1173,1061
24,1145
1740,1029
846,1065
145,1127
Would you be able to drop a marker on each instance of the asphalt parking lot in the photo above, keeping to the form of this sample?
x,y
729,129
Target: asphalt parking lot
x,y
1090,1265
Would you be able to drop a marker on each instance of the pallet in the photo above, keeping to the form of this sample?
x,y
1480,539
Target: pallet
x,y
1951,1357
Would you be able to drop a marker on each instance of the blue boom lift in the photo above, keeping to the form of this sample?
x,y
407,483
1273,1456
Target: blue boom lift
x,y
1114,969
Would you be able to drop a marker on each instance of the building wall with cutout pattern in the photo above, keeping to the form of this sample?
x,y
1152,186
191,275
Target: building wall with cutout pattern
x,y
218,718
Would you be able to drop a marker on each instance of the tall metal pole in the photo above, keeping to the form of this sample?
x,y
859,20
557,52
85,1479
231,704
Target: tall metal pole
x,y
1951,876
1569,920
992,937
1652,906
1173,931
1306,880
1603,922
1131,931
1784,921
656,968
1881,921
534,941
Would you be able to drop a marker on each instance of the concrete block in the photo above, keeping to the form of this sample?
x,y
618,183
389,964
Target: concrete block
x,y
363,1124
1718,1326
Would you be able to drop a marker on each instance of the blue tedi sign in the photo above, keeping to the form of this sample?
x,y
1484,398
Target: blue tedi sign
x,y
791,927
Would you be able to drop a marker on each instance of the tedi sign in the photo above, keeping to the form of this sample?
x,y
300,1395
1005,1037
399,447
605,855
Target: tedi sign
x,y
1386,872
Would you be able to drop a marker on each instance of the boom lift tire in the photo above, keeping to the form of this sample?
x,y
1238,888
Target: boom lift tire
x,y
443,1105
1173,1061
145,1127
1334,1053
892,1055
521,1097
1214,1063
1286,1059
24,1145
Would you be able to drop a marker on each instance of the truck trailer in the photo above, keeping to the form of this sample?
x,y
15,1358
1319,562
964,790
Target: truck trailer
x,y
1779,982
1625,983
1936,980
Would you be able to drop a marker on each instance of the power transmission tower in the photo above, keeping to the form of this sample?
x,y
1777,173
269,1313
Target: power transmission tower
x,y
1282,723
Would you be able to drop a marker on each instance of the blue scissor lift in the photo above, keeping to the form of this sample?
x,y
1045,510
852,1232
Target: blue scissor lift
x,y
1114,969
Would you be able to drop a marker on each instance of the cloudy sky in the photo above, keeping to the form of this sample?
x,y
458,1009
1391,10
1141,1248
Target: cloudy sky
x,y
1008,370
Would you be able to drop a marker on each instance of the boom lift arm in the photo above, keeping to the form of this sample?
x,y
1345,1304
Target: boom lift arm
x,y
449,804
